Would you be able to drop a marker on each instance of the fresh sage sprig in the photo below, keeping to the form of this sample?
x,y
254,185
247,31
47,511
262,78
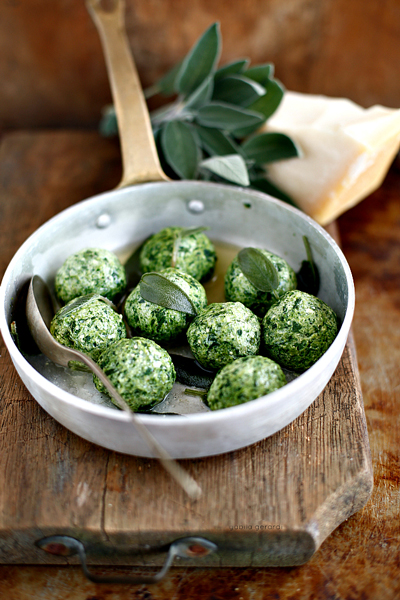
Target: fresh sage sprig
x,y
259,270
156,288
209,129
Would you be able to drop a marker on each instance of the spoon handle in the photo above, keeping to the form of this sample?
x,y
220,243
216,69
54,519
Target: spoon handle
x,y
174,469
38,321
139,153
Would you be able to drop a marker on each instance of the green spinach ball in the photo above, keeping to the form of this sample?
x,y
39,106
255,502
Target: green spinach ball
x,y
163,324
140,370
298,330
92,270
243,380
221,333
88,324
239,289
194,253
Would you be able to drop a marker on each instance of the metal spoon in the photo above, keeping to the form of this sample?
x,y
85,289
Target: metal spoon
x,y
39,312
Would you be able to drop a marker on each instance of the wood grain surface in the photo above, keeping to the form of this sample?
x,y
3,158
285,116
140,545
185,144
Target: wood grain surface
x,y
317,46
360,559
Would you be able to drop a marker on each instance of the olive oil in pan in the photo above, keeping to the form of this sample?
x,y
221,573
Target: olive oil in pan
x,y
215,286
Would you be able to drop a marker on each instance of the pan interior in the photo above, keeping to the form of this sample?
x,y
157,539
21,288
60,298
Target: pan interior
x,y
121,220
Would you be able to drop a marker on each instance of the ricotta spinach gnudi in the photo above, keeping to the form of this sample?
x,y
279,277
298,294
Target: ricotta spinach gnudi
x,y
243,380
176,247
92,270
88,324
298,330
157,322
140,370
221,333
239,289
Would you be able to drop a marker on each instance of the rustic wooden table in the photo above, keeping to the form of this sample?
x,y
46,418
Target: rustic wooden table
x,y
361,558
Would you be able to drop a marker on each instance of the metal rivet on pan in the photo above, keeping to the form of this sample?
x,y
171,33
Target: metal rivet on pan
x,y
103,221
196,206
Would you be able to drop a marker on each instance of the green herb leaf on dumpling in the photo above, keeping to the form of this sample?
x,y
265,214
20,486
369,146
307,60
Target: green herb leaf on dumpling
x,y
185,232
258,269
156,288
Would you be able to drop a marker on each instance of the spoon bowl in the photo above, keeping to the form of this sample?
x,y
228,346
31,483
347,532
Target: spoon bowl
x,y
39,313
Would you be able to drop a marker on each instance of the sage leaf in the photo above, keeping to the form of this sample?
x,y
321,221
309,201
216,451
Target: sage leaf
x,y
244,132
164,165
258,269
308,279
81,301
231,167
268,104
192,231
156,288
180,149
215,111
233,68
162,115
216,142
202,94
108,126
165,85
308,252
178,237
261,73
237,89
269,147
190,372
224,116
200,61
132,266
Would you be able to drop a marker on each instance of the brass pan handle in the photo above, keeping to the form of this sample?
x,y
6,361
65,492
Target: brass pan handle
x,y
139,153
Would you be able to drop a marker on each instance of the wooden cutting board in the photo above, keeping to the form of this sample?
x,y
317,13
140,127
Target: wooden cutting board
x,y
271,504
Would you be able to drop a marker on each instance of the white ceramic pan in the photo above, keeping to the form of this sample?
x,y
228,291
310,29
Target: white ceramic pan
x,y
121,219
